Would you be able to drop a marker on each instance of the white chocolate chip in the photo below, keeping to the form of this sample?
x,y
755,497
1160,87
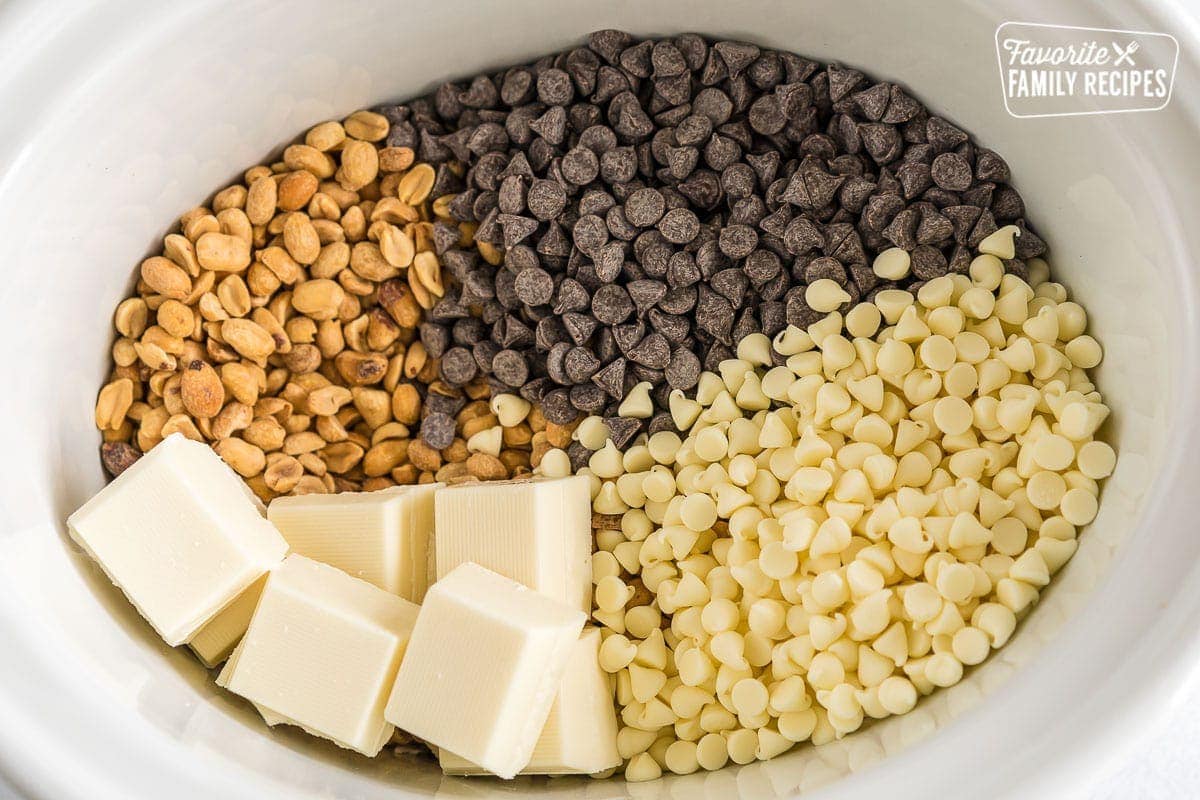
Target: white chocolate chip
x,y
510,409
637,402
1000,242
487,441
825,295
891,264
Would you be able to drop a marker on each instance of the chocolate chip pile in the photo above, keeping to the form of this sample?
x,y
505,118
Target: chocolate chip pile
x,y
641,206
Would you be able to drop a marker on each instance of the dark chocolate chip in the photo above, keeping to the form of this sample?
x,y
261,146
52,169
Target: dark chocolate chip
x,y
118,457
556,407
714,314
611,379
951,171
736,55
483,353
545,199
516,228
737,241
661,421
682,270
552,125
458,366
435,337
437,430
644,207
580,166
510,367
590,234
622,430
672,326
679,225
928,263
611,304
588,398
713,104
534,286
990,167
468,331
645,293
683,371
580,364
627,336
1006,204
653,351
942,135
679,300
554,87
825,267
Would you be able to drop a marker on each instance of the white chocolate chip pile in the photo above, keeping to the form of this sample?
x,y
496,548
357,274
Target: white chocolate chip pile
x,y
835,536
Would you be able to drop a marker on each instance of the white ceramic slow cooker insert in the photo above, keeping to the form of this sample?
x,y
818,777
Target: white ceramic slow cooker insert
x,y
119,117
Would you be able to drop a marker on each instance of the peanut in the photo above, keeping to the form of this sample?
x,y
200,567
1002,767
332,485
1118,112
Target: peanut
x,y
283,473
424,457
300,238
221,252
360,165
261,200
361,369
248,338
366,125
309,158
246,459
166,277
406,404
113,403
383,457
318,299
296,189
326,401
203,394
416,184
326,136
342,457
395,159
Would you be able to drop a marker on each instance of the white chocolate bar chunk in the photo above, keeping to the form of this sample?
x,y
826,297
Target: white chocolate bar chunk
x,y
483,668
322,653
580,735
537,532
179,533
213,643
382,537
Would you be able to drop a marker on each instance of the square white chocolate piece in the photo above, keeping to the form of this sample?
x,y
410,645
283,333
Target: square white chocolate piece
x,y
180,534
322,653
537,532
213,643
483,667
270,717
382,537
580,735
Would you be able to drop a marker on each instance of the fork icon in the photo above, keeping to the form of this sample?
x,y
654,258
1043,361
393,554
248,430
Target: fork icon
x,y
1125,55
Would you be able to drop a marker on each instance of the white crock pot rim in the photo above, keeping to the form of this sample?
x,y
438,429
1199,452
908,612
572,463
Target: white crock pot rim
x,y
1170,653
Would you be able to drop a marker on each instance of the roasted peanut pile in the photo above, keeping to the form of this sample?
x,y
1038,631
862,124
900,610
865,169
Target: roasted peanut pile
x,y
279,324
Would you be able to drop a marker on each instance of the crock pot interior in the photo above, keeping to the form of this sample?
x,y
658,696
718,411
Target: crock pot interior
x,y
144,110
